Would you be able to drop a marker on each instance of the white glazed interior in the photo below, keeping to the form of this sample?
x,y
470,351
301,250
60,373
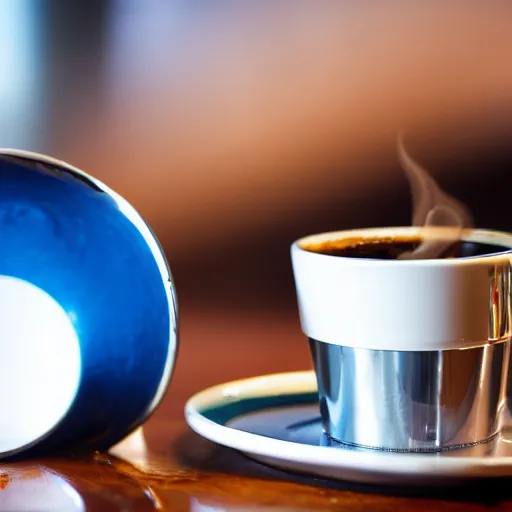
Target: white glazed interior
x,y
436,304
40,364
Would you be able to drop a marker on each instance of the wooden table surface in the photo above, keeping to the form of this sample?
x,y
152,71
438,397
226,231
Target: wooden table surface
x,y
168,467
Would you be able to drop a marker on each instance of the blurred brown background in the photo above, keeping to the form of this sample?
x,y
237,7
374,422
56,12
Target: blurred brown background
x,y
237,127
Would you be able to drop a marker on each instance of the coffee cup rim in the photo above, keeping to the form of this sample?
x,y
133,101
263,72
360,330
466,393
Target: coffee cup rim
x,y
489,236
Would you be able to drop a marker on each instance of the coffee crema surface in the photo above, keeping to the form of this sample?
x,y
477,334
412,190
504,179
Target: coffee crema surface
x,y
393,247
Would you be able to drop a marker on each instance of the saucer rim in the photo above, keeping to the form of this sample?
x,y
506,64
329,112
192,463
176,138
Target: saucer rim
x,y
288,452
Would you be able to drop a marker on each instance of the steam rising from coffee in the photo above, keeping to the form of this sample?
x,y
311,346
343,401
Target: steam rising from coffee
x,y
432,207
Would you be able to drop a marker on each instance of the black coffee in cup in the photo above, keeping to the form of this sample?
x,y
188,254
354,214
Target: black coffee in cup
x,y
391,248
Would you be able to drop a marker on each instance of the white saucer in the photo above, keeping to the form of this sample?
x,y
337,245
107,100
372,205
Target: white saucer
x,y
275,420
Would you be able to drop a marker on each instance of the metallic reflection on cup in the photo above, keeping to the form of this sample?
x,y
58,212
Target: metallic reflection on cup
x,y
409,355
411,401
429,305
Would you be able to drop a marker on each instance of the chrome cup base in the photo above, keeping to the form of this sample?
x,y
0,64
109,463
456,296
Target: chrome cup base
x,y
404,401
335,443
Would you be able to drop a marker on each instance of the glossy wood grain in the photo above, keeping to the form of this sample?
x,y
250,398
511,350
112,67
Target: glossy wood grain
x,y
168,467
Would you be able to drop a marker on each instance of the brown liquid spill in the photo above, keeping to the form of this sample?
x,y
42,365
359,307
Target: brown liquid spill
x,y
4,480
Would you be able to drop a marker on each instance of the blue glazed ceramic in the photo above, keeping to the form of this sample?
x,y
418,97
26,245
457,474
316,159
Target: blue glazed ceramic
x,y
88,312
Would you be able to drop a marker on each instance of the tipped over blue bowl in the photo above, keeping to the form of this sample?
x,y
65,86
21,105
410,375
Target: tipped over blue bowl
x,y
88,312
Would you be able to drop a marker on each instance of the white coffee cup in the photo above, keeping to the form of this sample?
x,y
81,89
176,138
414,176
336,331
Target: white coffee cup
x,y
410,355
